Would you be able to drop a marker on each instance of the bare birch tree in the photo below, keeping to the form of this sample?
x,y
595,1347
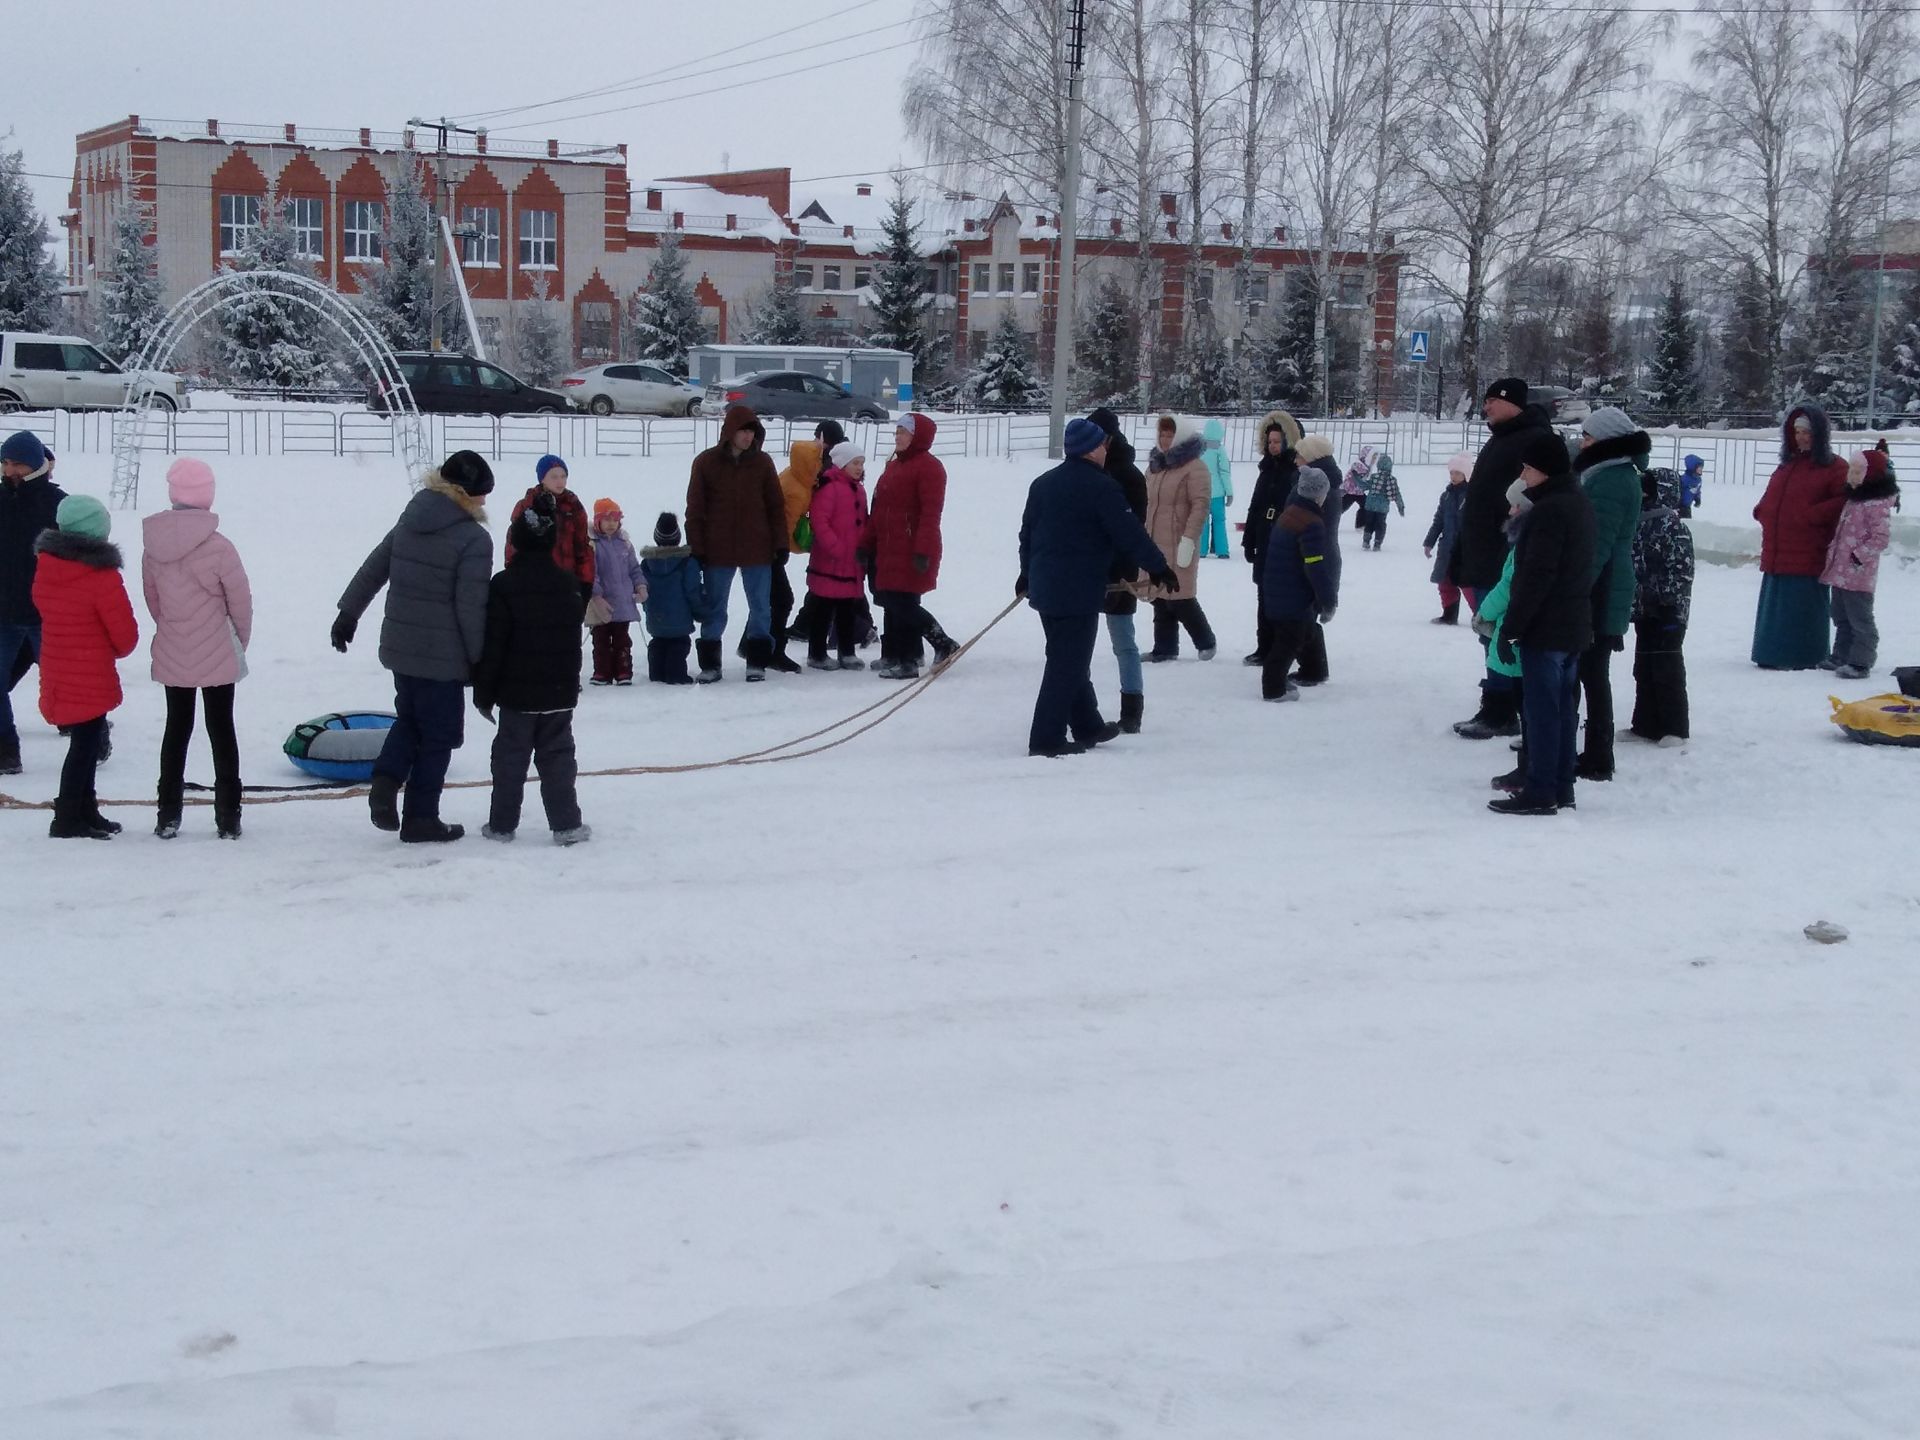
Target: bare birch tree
x,y
1516,120
1253,31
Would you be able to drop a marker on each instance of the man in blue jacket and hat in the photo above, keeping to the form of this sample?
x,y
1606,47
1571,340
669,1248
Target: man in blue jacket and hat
x,y
1077,529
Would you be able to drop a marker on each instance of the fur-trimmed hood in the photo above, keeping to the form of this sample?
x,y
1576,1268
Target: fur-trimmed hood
x,y
1283,422
1188,445
665,552
1822,451
429,509
81,549
1635,447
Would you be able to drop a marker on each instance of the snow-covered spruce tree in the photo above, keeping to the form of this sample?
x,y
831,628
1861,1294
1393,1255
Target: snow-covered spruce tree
x,y
29,285
665,317
1106,349
397,296
774,316
1830,344
1747,346
1204,376
1673,384
267,339
538,349
1283,350
130,308
1004,378
1902,382
900,298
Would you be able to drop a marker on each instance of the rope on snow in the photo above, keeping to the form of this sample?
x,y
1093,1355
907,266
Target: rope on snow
x,y
887,707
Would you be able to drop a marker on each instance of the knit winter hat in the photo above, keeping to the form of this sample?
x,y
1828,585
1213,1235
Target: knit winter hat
x,y
844,454
1083,437
1312,448
546,463
1460,464
534,528
190,483
1312,484
603,507
1546,452
1875,463
1512,389
1106,420
666,530
23,447
83,515
1609,422
468,471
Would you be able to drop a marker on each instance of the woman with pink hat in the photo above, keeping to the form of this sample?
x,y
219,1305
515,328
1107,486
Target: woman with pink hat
x,y
202,610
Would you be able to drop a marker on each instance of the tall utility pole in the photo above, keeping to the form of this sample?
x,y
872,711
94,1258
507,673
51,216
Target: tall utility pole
x,y
1069,218
441,198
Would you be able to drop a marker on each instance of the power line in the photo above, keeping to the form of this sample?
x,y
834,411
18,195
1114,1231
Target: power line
x,y
649,78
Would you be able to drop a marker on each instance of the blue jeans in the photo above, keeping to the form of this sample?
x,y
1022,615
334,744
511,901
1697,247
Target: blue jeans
x,y
1550,695
1066,700
1213,534
757,582
13,638
421,743
1126,653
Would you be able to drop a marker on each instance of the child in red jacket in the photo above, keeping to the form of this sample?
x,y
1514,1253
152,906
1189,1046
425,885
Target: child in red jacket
x,y
86,624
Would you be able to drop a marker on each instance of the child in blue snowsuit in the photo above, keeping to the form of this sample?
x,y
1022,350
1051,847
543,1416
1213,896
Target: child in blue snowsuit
x,y
1379,490
1690,483
1213,536
676,602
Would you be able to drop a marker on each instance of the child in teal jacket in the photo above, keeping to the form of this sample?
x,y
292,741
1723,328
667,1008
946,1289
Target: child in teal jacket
x,y
1213,536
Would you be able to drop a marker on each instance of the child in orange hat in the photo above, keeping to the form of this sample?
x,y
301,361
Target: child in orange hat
x,y
619,590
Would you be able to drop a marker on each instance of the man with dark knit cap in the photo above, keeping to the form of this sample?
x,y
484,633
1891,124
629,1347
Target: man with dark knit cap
x,y
1077,527
434,565
28,501
1512,424
1549,622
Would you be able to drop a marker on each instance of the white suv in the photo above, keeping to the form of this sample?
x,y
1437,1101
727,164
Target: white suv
x,y
64,372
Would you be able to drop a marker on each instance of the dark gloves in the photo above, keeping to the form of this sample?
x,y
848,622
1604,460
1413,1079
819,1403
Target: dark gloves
x,y
485,707
1506,651
1616,643
1326,615
1166,580
922,564
343,627
1020,587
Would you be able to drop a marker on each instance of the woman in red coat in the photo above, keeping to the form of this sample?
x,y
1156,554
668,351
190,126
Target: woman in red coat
x,y
901,549
86,624
1797,517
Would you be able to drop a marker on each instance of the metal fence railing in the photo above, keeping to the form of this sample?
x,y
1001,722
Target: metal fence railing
x,y
1732,457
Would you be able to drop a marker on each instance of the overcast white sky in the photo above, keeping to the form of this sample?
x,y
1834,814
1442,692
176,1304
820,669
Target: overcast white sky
x,y
341,67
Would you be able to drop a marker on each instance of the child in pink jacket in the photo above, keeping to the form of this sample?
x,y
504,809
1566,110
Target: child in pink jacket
x,y
835,577
1853,563
202,610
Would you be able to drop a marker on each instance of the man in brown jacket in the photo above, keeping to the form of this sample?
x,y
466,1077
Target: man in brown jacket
x,y
736,523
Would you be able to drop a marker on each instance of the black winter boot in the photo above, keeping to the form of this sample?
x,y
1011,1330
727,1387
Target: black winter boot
x,y
1449,615
9,755
780,662
430,830
1132,707
759,651
383,803
708,654
944,645
226,809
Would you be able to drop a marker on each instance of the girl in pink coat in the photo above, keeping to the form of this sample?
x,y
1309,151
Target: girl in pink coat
x,y
834,573
202,610
1853,563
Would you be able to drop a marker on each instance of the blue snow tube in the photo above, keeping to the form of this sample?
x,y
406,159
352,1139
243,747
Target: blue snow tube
x,y
340,747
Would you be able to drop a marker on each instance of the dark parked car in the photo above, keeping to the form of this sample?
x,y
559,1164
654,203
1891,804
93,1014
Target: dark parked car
x,y
1563,406
791,394
460,385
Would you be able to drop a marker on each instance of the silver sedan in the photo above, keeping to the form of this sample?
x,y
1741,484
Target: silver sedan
x,y
630,388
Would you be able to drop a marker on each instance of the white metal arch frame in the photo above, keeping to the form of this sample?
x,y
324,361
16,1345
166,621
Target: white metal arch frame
x,y
208,299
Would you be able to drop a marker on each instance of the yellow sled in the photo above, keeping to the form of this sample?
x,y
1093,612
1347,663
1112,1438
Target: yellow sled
x,y
1882,720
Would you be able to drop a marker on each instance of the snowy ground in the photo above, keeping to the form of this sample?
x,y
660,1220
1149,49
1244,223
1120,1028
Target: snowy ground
x,y
1245,1079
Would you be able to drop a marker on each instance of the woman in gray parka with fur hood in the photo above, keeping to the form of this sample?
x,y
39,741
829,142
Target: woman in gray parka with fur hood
x,y
434,564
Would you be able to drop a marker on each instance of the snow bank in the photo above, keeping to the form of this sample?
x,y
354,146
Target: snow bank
x,y
1245,1079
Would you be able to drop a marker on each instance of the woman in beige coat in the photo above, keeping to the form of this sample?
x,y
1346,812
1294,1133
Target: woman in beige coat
x,y
1179,490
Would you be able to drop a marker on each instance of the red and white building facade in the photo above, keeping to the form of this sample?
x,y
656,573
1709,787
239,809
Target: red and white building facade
x,y
567,223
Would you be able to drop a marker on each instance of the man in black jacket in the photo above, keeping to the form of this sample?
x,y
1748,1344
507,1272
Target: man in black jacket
x,y
28,498
530,669
1122,602
1512,425
1549,621
1279,466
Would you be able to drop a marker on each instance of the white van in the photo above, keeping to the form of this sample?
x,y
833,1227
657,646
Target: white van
x,y
64,372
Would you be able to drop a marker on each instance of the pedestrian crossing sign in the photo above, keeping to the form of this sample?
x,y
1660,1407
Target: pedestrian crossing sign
x,y
1417,347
